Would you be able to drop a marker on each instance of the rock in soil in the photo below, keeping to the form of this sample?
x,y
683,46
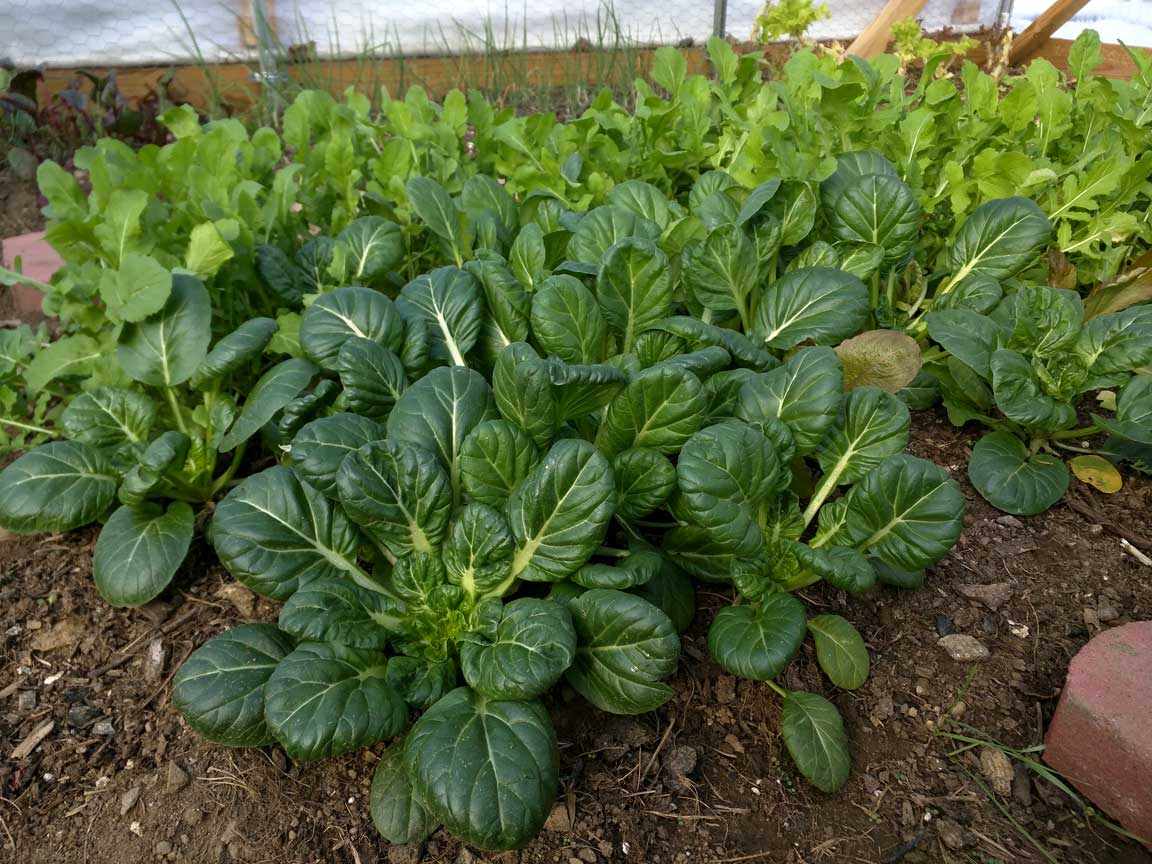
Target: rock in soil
x,y
128,800
175,779
997,769
559,820
678,764
993,596
408,854
963,648
1022,785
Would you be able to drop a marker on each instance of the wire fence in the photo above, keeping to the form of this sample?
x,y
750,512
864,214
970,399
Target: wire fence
x,y
80,33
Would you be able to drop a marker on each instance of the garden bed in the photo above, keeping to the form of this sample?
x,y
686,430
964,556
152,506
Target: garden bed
x,y
704,778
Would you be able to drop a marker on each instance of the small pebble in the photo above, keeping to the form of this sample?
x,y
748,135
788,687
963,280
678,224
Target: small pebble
x,y
963,648
163,847
1009,522
944,625
26,701
129,799
104,728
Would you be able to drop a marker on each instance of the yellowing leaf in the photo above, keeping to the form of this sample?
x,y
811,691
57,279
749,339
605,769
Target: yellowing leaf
x,y
885,358
1097,472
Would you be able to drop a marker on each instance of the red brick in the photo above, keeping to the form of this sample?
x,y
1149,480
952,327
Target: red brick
x,y
38,261
1100,737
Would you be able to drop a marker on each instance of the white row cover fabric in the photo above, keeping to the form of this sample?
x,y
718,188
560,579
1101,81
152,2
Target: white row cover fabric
x,y
78,33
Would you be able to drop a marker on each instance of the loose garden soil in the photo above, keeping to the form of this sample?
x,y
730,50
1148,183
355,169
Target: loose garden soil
x,y
118,777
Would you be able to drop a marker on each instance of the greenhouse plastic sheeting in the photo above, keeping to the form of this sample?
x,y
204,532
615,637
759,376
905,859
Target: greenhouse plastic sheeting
x,y
151,32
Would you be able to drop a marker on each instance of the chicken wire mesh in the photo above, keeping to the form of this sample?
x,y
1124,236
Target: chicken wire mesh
x,y
76,33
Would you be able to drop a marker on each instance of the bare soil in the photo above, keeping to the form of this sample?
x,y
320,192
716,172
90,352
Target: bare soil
x,y
19,212
118,777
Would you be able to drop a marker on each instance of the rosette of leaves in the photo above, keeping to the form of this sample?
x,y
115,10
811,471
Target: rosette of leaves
x,y
442,558
804,483
1022,368
142,455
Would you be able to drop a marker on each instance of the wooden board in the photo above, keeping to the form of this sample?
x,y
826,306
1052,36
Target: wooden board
x,y
876,35
236,91
1028,44
232,86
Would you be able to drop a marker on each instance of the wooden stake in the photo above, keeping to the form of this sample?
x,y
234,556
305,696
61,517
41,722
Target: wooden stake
x,y
1028,44
875,37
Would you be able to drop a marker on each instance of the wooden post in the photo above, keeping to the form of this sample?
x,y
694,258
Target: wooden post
x,y
1028,44
875,37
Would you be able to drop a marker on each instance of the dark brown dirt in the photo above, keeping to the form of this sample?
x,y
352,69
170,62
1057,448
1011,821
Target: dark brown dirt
x,y
703,779
19,212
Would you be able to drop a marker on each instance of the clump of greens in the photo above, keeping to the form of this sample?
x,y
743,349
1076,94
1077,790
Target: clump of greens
x,y
1022,367
445,560
143,454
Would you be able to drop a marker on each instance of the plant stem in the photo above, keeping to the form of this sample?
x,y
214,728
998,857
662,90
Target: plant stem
x,y
177,412
230,472
1082,432
4,421
780,690
609,552
1071,447
14,277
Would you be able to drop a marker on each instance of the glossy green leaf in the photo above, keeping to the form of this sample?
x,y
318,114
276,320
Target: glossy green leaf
x,y
643,199
397,812
966,335
324,700
108,416
220,687
758,641
398,493
744,351
235,351
560,513
448,301
874,426
478,552
346,313
1013,480
814,304
805,393
567,322
522,385
907,512
485,768
276,534
166,348
166,452
876,209
495,458
604,227
437,210
373,378
1021,397
275,389
139,288
999,239
422,683
815,737
322,445
341,612
1117,341
724,474
530,644
639,566
723,273
625,648
56,487
139,550
840,650
634,288
661,408
644,480
438,412
373,246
